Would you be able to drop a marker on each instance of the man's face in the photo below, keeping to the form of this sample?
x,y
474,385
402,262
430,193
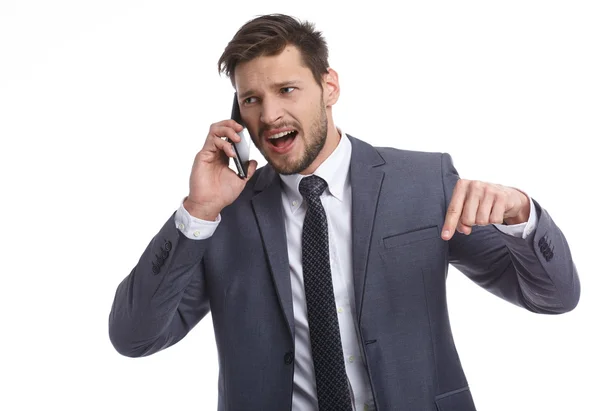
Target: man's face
x,y
284,110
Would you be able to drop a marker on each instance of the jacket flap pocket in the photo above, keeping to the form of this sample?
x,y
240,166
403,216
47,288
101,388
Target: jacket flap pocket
x,y
410,237
458,400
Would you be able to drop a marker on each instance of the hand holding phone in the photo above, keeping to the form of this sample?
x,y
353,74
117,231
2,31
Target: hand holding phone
x,y
212,184
242,149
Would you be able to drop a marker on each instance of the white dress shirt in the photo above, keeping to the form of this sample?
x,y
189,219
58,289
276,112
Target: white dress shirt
x,y
337,202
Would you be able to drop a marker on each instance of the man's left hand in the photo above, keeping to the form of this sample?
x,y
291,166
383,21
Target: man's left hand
x,y
479,203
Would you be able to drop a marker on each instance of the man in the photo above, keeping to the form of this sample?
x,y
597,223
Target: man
x,y
325,270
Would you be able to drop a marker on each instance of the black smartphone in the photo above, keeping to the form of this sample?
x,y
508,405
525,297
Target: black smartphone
x,y
242,149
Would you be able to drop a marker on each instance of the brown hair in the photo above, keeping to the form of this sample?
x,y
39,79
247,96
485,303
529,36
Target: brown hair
x,y
268,35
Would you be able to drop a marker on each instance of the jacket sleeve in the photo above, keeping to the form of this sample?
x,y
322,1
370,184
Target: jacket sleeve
x,y
536,273
163,297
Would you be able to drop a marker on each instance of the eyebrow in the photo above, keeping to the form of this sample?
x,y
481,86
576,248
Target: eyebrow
x,y
279,85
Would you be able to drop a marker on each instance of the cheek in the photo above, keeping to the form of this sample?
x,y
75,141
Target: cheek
x,y
306,118
255,140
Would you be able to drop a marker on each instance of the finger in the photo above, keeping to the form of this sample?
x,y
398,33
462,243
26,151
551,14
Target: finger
x,y
252,168
485,208
216,133
225,146
471,205
225,132
229,123
454,209
464,229
467,219
498,210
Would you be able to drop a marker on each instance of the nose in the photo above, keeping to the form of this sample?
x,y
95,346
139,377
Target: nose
x,y
271,111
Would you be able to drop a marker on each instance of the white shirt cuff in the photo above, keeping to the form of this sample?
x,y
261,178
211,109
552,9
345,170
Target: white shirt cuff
x,y
192,227
522,230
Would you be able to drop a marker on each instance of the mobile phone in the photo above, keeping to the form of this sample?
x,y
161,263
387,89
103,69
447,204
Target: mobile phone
x,y
242,149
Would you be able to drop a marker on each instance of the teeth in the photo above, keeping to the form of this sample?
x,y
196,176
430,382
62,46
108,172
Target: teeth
x,y
279,135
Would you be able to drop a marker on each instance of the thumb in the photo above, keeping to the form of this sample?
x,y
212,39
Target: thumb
x,y
252,165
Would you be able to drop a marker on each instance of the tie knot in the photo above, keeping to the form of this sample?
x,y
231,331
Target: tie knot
x,y
312,187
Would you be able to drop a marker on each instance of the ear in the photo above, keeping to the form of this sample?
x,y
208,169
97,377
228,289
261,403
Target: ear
x,y
331,87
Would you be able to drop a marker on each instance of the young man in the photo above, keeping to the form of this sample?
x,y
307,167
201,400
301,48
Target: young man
x,y
325,270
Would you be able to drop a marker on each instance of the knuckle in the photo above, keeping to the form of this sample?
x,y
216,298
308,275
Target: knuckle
x,y
453,210
481,221
478,186
467,221
494,190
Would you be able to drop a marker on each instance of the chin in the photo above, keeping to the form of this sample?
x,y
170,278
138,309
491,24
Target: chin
x,y
284,169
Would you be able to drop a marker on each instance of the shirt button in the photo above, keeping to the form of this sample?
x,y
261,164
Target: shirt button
x,y
196,233
181,226
340,310
351,358
294,203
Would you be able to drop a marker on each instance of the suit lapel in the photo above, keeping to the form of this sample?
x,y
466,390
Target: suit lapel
x,y
366,181
269,216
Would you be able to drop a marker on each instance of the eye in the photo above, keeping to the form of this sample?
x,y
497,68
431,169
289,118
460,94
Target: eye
x,y
249,100
287,90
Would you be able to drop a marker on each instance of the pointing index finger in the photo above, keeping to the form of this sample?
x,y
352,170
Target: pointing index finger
x,y
454,210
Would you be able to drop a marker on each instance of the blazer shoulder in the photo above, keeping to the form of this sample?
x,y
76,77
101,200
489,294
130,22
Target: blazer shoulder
x,y
396,157
402,159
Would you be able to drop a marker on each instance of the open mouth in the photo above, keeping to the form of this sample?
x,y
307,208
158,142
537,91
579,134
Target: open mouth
x,y
283,140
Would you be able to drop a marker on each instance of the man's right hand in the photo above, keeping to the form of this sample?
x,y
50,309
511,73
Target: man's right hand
x,y
213,185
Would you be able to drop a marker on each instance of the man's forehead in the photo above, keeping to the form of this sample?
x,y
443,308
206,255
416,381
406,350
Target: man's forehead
x,y
288,62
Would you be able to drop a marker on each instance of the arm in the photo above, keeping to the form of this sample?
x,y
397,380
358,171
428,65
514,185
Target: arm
x,y
162,299
165,295
536,273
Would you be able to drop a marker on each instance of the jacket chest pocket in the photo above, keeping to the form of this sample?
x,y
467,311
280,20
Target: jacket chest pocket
x,y
407,238
458,400
412,247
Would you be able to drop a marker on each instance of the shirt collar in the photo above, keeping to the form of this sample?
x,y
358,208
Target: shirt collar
x,y
334,170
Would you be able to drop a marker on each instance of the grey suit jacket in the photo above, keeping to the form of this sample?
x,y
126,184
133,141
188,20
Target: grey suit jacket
x,y
241,274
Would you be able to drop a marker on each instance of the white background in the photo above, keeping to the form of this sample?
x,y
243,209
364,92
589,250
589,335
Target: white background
x,y
103,105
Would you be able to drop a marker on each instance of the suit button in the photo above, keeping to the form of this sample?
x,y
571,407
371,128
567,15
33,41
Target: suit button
x,y
155,269
165,254
168,245
288,358
542,241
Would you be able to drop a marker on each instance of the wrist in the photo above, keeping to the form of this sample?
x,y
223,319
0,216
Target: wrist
x,y
201,211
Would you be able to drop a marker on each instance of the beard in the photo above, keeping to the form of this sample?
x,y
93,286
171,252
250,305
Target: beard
x,y
315,141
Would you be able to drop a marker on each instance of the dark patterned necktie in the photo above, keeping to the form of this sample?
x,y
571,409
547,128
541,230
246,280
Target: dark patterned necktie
x,y
330,372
